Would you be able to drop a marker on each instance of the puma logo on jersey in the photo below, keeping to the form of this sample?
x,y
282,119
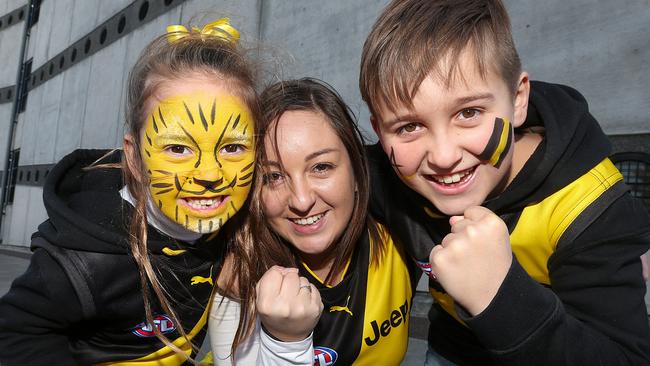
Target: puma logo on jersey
x,y
344,308
397,317
198,279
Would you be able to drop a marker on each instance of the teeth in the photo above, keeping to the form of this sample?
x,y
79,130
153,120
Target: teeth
x,y
308,220
201,203
454,178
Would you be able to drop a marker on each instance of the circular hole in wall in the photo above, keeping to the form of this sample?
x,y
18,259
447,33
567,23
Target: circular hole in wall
x,y
144,9
21,14
10,19
51,69
87,45
74,55
168,2
121,24
61,62
102,36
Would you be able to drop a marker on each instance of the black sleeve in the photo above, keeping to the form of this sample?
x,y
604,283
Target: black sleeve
x,y
37,314
593,314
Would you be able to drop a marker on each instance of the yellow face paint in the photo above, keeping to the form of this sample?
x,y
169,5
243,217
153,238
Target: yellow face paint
x,y
199,152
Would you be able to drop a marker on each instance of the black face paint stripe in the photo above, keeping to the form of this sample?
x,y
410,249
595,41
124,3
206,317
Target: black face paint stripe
x,y
159,204
245,184
187,221
246,176
493,142
213,112
189,114
162,120
177,183
216,146
164,191
176,214
162,185
148,139
247,167
155,126
233,206
200,226
204,122
245,129
198,161
210,226
164,172
148,153
234,125
505,150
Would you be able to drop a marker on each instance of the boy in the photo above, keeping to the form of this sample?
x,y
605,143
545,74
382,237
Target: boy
x,y
460,128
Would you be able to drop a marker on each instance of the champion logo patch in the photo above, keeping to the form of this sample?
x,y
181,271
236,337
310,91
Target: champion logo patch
x,y
324,356
162,322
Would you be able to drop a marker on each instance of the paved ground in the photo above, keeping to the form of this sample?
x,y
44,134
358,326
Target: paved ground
x,y
14,261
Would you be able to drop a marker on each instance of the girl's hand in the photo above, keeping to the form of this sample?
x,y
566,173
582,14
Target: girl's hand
x,y
288,305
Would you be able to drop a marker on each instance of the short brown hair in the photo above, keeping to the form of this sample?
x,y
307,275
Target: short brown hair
x,y
411,37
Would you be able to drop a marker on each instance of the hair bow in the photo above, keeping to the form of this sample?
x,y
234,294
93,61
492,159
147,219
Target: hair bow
x,y
219,28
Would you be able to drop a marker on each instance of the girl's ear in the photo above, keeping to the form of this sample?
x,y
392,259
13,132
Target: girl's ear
x,y
521,100
131,155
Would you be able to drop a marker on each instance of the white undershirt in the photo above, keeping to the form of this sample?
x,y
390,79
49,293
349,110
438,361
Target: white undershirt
x,y
259,348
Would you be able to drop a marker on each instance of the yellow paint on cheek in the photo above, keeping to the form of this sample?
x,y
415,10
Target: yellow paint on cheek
x,y
199,152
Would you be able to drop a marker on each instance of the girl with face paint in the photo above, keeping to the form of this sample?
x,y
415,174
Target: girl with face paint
x,y
125,266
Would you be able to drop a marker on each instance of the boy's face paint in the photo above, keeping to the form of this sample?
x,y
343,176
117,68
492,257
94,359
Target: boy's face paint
x,y
454,146
199,150
499,143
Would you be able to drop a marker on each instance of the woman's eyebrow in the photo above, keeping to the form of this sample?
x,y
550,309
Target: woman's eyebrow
x,y
320,152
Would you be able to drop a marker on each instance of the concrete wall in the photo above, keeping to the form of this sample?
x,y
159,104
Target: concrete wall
x,y
601,48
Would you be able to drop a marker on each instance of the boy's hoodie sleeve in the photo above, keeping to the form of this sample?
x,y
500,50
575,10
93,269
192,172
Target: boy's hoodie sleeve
x,y
36,314
595,312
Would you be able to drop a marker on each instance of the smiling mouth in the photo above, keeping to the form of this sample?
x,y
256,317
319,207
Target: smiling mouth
x,y
308,220
202,203
452,179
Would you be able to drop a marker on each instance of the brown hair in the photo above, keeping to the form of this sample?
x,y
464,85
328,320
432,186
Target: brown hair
x,y
412,38
314,95
163,61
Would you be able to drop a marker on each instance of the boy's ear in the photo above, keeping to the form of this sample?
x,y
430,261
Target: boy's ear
x,y
521,100
131,156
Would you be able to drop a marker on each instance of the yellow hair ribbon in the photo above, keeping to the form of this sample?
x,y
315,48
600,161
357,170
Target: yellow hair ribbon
x,y
220,28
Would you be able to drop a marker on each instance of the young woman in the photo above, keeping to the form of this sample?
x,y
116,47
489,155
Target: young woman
x,y
309,211
124,267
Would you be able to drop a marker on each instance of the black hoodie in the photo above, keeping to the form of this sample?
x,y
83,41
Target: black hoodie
x,y
80,300
591,311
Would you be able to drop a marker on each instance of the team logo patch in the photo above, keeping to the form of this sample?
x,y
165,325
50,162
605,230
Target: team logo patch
x,y
324,356
426,268
162,322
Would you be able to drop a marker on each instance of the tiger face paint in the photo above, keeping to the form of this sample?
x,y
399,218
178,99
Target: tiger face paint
x,y
499,143
199,152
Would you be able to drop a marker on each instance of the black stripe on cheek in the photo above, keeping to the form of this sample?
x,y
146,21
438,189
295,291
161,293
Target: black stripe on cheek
x,y
165,191
213,112
505,150
247,167
493,142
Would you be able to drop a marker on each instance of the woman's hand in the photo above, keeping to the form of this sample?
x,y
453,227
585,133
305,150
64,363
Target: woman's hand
x,y
288,305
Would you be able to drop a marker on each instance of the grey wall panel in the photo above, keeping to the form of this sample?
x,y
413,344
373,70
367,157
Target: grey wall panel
x,y
36,213
61,27
28,127
39,43
325,38
602,49
10,40
73,108
46,125
84,18
5,120
103,98
15,231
